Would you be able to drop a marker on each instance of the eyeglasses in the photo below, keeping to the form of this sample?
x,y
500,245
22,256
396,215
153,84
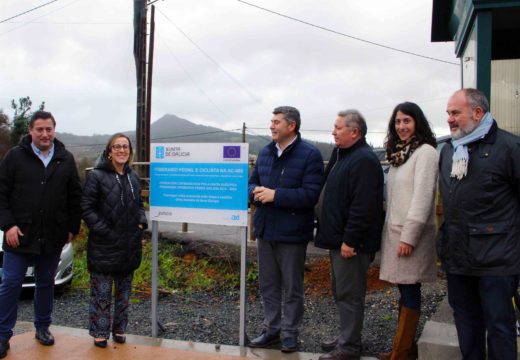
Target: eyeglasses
x,y
120,147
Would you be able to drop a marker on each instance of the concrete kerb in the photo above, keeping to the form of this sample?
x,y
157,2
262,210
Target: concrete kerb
x,y
439,338
439,341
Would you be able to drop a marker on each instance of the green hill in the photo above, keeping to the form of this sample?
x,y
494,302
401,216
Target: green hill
x,y
171,128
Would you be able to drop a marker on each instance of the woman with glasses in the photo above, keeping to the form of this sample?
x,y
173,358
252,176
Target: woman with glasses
x,y
408,248
113,211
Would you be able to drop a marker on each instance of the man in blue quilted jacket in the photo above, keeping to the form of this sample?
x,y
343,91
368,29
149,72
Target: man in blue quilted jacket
x,y
284,186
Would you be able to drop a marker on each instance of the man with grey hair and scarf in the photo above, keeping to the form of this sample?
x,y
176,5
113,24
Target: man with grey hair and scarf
x,y
479,240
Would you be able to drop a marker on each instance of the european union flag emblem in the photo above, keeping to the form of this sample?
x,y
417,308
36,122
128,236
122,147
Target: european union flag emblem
x,y
232,152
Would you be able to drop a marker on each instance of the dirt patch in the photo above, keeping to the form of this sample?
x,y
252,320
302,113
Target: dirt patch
x,y
318,281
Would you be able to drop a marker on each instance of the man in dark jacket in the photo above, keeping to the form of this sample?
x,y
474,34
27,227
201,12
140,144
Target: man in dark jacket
x,y
284,186
350,219
40,195
479,240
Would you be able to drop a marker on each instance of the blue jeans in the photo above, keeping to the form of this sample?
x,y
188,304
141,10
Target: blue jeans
x,y
480,304
14,269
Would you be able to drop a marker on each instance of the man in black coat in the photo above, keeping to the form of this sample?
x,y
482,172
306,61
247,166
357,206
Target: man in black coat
x,y
40,195
479,240
350,219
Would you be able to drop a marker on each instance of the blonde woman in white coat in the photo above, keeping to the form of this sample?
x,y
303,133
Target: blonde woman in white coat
x,y
408,247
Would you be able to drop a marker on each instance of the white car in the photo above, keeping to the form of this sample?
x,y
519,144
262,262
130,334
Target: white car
x,y
63,273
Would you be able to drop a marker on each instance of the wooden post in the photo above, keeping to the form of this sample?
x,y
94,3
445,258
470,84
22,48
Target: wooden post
x,y
146,131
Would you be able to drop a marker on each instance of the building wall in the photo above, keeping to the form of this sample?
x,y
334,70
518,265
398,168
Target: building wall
x,y
505,94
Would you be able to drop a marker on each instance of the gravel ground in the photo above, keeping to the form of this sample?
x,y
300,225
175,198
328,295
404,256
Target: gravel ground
x,y
213,317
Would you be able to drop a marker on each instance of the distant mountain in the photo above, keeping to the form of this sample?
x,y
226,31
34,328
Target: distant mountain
x,y
170,129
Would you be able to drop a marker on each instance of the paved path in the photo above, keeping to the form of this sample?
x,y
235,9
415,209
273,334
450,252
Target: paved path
x,y
76,344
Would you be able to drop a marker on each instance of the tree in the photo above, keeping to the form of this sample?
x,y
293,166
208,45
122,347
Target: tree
x,y
5,131
22,114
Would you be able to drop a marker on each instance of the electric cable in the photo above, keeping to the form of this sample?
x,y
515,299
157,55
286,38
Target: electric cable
x,y
39,17
27,11
231,77
346,35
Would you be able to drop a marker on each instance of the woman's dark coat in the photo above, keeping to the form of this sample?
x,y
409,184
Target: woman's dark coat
x,y
112,209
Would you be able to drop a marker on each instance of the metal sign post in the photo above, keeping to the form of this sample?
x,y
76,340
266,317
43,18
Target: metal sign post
x,y
155,266
243,290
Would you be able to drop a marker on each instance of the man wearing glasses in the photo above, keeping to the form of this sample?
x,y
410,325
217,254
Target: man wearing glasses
x,y
40,195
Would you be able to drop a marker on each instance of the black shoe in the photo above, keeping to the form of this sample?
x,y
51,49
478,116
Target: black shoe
x,y
329,345
44,336
339,355
100,343
265,339
289,344
121,339
4,346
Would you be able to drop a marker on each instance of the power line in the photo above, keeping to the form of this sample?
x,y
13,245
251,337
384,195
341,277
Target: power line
x,y
318,130
212,60
267,138
39,17
193,80
346,35
28,11
69,23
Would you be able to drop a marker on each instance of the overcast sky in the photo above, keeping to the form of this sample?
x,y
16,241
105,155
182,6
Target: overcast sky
x,y
223,62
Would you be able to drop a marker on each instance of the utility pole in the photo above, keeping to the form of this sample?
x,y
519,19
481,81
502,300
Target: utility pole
x,y
147,134
142,129
142,136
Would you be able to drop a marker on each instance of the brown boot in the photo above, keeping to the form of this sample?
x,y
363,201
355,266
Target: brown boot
x,y
404,347
387,355
413,354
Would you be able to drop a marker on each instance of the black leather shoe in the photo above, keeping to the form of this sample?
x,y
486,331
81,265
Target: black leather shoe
x,y
265,339
100,343
329,345
44,336
121,339
339,355
289,344
4,346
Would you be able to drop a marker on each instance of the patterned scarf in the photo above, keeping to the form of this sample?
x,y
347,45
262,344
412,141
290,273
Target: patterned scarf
x,y
403,151
459,167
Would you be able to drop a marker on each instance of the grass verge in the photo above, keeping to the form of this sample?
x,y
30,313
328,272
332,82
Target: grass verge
x,y
178,271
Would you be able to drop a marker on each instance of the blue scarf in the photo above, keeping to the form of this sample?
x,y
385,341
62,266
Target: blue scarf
x,y
459,168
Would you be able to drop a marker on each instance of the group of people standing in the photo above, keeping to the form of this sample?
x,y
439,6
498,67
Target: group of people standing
x,y
41,206
478,243
42,203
